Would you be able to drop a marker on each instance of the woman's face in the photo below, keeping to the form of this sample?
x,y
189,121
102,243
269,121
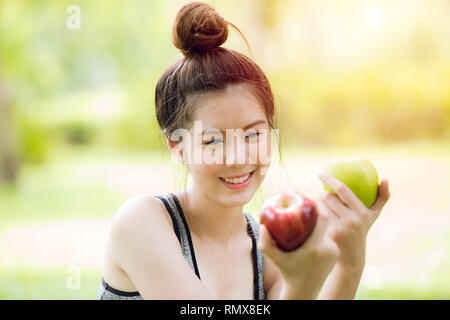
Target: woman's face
x,y
228,152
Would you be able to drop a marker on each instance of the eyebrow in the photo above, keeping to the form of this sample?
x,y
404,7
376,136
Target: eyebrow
x,y
245,128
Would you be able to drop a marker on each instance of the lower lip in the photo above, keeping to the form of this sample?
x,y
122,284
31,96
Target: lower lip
x,y
237,186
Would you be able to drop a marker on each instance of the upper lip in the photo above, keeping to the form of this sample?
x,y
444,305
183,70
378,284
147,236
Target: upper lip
x,y
237,177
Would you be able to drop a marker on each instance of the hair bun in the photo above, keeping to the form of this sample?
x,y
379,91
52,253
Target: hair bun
x,y
198,27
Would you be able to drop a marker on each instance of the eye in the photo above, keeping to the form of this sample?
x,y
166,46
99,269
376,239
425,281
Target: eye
x,y
212,141
253,134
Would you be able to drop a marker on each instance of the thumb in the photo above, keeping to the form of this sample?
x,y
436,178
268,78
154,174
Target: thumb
x,y
267,244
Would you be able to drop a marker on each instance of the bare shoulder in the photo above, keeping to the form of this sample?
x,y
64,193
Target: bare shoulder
x,y
138,210
145,247
139,221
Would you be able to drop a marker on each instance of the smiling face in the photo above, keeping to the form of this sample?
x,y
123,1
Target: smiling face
x,y
229,145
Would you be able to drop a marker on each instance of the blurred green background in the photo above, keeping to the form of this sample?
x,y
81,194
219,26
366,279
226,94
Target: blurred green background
x,y
78,133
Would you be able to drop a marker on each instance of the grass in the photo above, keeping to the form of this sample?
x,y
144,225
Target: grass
x,y
54,283
26,283
55,194
426,285
397,291
435,287
66,187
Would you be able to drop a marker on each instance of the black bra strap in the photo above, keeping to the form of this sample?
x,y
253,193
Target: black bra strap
x,y
189,238
176,227
255,261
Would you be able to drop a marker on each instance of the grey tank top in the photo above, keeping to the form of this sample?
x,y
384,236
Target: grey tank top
x,y
181,229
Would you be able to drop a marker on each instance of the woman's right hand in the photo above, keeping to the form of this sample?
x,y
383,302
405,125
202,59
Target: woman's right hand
x,y
306,268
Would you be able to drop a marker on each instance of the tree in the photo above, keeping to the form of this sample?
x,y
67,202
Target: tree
x,y
8,153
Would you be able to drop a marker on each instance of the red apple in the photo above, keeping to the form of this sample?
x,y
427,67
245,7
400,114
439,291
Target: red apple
x,y
290,218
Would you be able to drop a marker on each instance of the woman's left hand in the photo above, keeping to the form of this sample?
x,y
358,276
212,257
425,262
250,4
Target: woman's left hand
x,y
351,219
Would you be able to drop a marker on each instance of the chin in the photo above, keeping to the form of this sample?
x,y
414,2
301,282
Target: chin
x,y
240,197
235,200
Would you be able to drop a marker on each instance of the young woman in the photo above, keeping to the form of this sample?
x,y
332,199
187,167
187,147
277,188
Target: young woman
x,y
198,243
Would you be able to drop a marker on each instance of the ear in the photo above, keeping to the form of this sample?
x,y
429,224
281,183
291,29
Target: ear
x,y
176,150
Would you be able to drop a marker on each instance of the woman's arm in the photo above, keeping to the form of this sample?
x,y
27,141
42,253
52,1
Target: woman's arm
x,y
300,273
342,283
351,220
145,246
272,280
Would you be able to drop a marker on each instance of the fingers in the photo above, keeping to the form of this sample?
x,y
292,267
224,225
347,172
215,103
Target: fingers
x,y
332,201
323,222
383,196
336,219
345,194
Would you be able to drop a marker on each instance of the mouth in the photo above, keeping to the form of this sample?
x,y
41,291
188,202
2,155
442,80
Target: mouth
x,y
237,181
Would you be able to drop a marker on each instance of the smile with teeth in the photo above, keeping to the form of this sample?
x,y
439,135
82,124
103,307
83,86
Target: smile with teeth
x,y
237,180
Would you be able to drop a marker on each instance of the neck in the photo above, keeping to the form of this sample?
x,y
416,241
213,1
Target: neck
x,y
210,220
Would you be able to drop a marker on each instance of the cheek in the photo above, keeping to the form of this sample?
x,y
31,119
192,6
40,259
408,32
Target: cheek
x,y
261,151
204,172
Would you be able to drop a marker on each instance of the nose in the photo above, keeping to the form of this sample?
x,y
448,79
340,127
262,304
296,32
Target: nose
x,y
235,153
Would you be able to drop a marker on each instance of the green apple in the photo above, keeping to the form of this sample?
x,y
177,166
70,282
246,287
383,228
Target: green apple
x,y
358,174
